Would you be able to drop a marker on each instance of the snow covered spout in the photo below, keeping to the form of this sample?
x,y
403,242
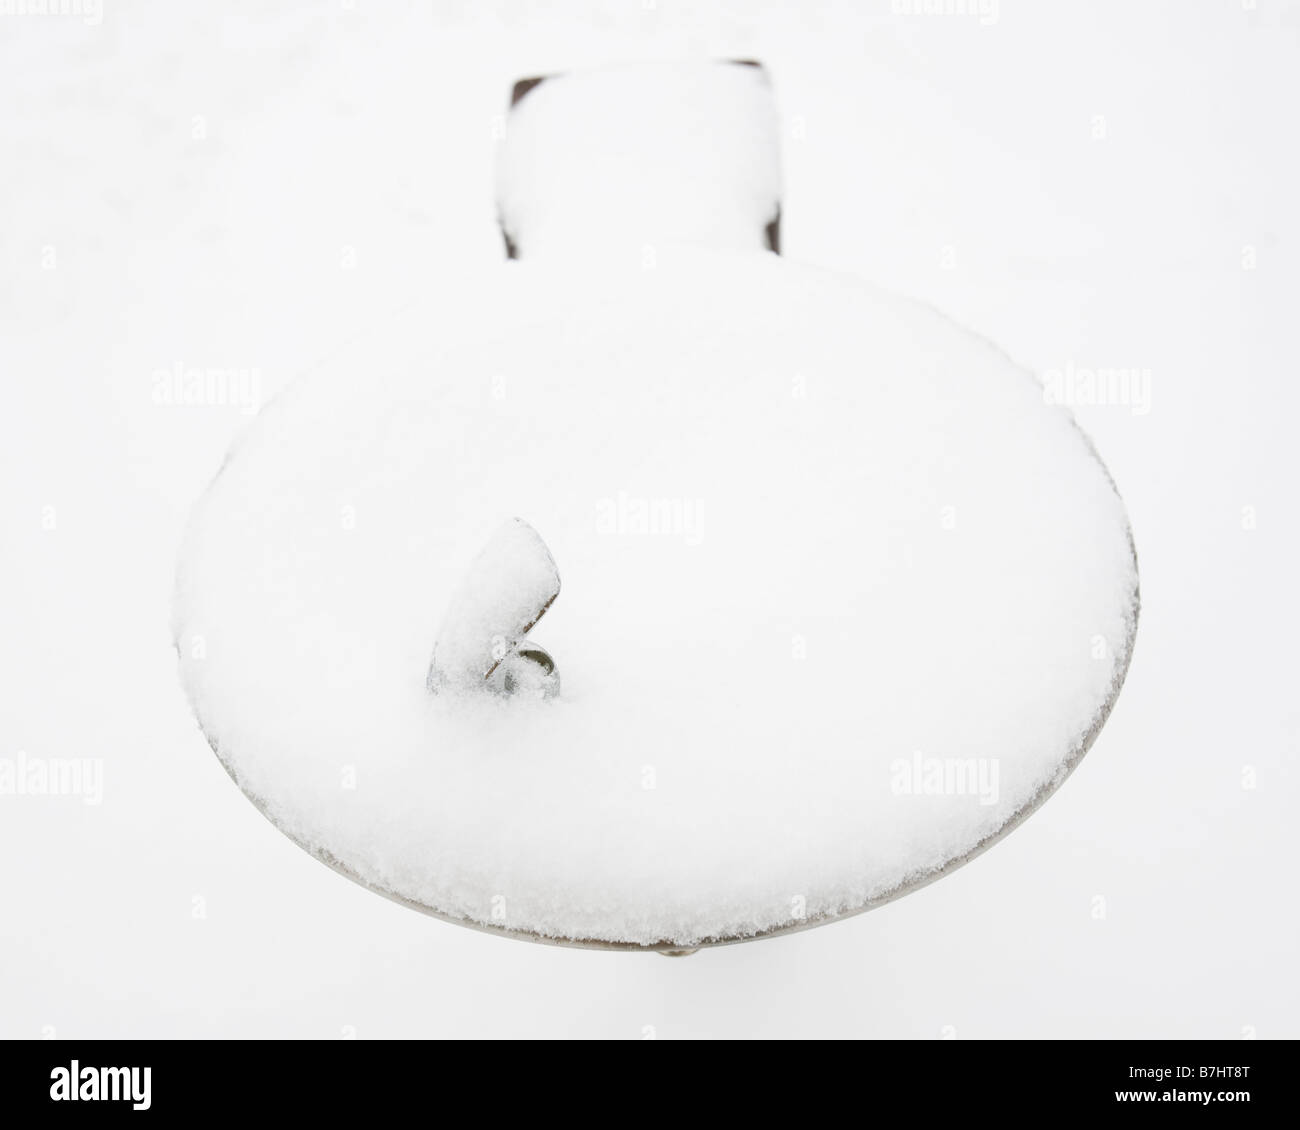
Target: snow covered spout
x,y
622,159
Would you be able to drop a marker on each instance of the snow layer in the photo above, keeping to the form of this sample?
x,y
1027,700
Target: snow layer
x,y
631,156
815,541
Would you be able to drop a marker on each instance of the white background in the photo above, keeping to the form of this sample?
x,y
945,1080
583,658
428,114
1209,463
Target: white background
x,y
1103,184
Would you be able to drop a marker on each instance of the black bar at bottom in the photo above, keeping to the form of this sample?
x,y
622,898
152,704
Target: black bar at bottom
x,y
342,1079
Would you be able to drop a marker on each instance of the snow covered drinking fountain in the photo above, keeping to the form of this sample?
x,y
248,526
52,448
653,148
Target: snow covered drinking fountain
x,y
844,599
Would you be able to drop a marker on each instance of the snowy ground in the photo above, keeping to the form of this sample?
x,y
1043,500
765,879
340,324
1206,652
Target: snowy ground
x,y
248,185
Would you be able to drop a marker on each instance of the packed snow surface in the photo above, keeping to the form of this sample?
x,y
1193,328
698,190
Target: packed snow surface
x,y
842,595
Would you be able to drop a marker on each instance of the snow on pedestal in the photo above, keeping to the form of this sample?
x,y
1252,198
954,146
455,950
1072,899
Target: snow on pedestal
x,y
634,156
843,596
